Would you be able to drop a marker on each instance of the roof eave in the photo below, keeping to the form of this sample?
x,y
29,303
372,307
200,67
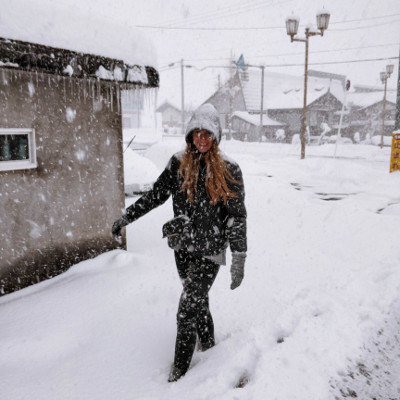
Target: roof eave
x,y
28,56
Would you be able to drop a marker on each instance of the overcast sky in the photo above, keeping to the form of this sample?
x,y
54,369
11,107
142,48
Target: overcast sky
x,y
211,31
363,36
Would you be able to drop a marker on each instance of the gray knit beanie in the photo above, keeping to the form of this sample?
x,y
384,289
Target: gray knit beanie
x,y
205,117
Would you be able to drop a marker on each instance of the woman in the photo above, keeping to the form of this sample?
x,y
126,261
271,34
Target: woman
x,y
208,191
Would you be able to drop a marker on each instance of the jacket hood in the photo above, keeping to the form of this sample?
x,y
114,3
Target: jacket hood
x,y
205,117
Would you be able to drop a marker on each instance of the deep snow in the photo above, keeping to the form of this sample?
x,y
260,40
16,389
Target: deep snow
x,y
317,315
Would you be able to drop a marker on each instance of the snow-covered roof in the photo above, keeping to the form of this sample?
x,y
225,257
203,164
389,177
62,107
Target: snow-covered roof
x,y
36,57
366,99
254,119
283,91
167,104
83,31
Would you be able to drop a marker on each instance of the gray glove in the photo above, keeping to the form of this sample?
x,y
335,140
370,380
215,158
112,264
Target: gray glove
x,y
237,269
118,225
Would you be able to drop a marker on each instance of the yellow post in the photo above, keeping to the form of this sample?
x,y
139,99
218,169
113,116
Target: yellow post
x,y
395,156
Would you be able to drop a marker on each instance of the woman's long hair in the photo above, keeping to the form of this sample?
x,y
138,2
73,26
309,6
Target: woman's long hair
x,y
217,174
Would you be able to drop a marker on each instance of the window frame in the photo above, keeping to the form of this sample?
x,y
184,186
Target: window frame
x,y
29,163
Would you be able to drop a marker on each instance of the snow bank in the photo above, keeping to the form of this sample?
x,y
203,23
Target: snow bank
x,y
138,169
316,317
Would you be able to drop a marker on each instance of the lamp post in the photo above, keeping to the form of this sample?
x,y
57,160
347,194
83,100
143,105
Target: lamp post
x,y
241,64
385,75
292,26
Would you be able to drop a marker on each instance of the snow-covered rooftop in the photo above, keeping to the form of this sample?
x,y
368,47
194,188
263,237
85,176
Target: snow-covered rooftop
x,y
366,99
37,57
254,119
60,25
283,91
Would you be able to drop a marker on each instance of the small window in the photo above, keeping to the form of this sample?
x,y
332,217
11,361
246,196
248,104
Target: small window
x,y
17,149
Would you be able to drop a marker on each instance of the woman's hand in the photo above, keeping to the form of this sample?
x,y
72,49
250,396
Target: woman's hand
x,y
237,269
118,225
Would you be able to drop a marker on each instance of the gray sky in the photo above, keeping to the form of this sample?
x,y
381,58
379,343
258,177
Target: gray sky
x,y
361,39
207,33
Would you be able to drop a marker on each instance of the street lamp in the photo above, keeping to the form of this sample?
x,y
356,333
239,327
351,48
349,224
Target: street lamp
x,y
385,75
292,26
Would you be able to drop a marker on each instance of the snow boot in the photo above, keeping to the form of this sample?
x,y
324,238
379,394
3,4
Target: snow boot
x,y
175,374
205,346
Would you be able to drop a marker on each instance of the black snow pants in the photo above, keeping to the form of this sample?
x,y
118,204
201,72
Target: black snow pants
x,y
194,318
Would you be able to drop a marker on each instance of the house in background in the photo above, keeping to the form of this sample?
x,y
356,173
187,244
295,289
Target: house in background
x,y
171,117
246,127
365,108
61,162
282,103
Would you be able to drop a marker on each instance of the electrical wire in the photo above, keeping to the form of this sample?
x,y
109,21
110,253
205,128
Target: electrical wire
x,y
361,27
326,51
283,54
270,27
225,12
302,64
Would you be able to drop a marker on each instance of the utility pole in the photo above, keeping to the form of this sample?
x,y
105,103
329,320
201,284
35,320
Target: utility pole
x,y
182,99
397,117
346,89
262,99
385,75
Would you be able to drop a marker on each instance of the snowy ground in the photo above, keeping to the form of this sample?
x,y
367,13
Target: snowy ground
x,y
317,316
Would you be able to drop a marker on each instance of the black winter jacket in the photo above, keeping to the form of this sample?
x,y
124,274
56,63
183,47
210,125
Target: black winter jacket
x,y
214,226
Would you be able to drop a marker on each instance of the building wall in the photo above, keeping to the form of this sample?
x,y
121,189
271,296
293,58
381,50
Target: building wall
x,y
368,121
61,212
228,99
290,117
171,117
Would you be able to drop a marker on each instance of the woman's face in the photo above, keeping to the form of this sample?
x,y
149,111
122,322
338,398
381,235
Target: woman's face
x,y
203,140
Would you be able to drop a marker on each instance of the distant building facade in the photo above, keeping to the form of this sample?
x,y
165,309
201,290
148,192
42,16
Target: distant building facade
x,y
171,116
282,103
365,108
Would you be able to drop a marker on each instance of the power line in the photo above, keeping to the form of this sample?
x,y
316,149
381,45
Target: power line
x,y
301,53
363,19
327,51
335,62
300,64
208,29
361,27
228,11
269,27
204,15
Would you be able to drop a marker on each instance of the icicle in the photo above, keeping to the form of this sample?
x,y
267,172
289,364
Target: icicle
x,y
64,90
37,82
98,87
109,96
92,93
118,99
78,89
84,89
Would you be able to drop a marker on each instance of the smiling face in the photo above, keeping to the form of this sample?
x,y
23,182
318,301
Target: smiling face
x,y
203,140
